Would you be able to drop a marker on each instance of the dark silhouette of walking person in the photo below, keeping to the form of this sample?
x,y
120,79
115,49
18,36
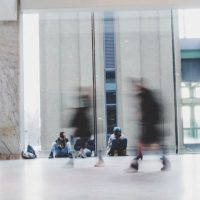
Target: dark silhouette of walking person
x,y
82,122
150,110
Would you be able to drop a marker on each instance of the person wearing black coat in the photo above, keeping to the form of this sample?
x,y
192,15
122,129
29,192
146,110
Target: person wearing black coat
x,y
150,117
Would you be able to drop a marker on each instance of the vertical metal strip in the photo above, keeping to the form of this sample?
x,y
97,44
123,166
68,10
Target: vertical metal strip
x,y
94,81
174,79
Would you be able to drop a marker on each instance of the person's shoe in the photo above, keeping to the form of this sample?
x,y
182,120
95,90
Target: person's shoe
x,y
133,167
100,163
166,164
83,155
22,154
51,155
70,155
139,156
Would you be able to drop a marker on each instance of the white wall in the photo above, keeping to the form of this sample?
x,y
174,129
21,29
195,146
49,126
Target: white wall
x,y
8,10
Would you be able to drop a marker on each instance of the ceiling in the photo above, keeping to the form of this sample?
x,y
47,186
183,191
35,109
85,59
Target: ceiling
x,y
109,4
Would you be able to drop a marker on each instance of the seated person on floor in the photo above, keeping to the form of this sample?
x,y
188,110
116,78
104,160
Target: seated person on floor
x,y
117,143
29,153
61,147
86,150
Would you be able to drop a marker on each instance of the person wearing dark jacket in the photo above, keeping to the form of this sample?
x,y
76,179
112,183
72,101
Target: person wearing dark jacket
x,y
150,117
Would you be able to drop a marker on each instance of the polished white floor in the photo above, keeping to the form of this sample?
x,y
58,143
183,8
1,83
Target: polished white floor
x,y
44,179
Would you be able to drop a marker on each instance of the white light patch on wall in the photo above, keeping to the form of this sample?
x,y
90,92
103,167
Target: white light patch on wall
x,y
31,79
188,23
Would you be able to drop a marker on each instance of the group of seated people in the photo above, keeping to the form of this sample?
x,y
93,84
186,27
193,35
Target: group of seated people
x,y
62,147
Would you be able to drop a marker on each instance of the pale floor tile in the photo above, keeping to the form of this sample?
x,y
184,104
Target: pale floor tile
x,y
44,179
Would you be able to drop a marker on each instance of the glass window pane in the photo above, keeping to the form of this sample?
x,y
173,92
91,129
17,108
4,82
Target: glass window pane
x,y
110,76
197,92
197,116
187,23
185,93
111,97
111,118
186,115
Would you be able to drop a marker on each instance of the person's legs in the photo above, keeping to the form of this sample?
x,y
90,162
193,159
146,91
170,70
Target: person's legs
x,y
64,152
165,162
83,144
100,162
122,146
57,151
87,152
69,149
139,152
52,152
114,147
134,166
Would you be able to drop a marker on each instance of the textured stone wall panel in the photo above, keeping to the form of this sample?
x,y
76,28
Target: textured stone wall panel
x,y
9,88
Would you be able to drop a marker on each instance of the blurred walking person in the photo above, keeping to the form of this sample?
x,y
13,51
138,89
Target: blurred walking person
x,y
150,111
82,123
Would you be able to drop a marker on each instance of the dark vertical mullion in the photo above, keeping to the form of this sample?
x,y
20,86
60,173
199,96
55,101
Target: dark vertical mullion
x,y
94,81
174,80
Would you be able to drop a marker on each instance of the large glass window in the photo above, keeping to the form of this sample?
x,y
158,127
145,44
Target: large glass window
x,y
190,70
99,52
186,113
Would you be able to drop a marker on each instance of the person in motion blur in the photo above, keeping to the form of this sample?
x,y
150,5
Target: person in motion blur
x,y
150,111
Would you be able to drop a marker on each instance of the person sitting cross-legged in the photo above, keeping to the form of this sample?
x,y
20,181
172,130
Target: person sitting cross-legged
x,y
117,143
61,147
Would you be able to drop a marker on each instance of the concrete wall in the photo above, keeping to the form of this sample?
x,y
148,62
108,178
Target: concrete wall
x,y
9,87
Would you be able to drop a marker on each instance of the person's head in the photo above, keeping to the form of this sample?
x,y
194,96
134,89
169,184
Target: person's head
x,y
117,131
62,135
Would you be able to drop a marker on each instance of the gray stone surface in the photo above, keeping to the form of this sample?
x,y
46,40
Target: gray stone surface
x,y
9,88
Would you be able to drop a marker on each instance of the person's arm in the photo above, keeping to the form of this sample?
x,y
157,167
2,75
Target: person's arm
x,y
59,143
122,137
